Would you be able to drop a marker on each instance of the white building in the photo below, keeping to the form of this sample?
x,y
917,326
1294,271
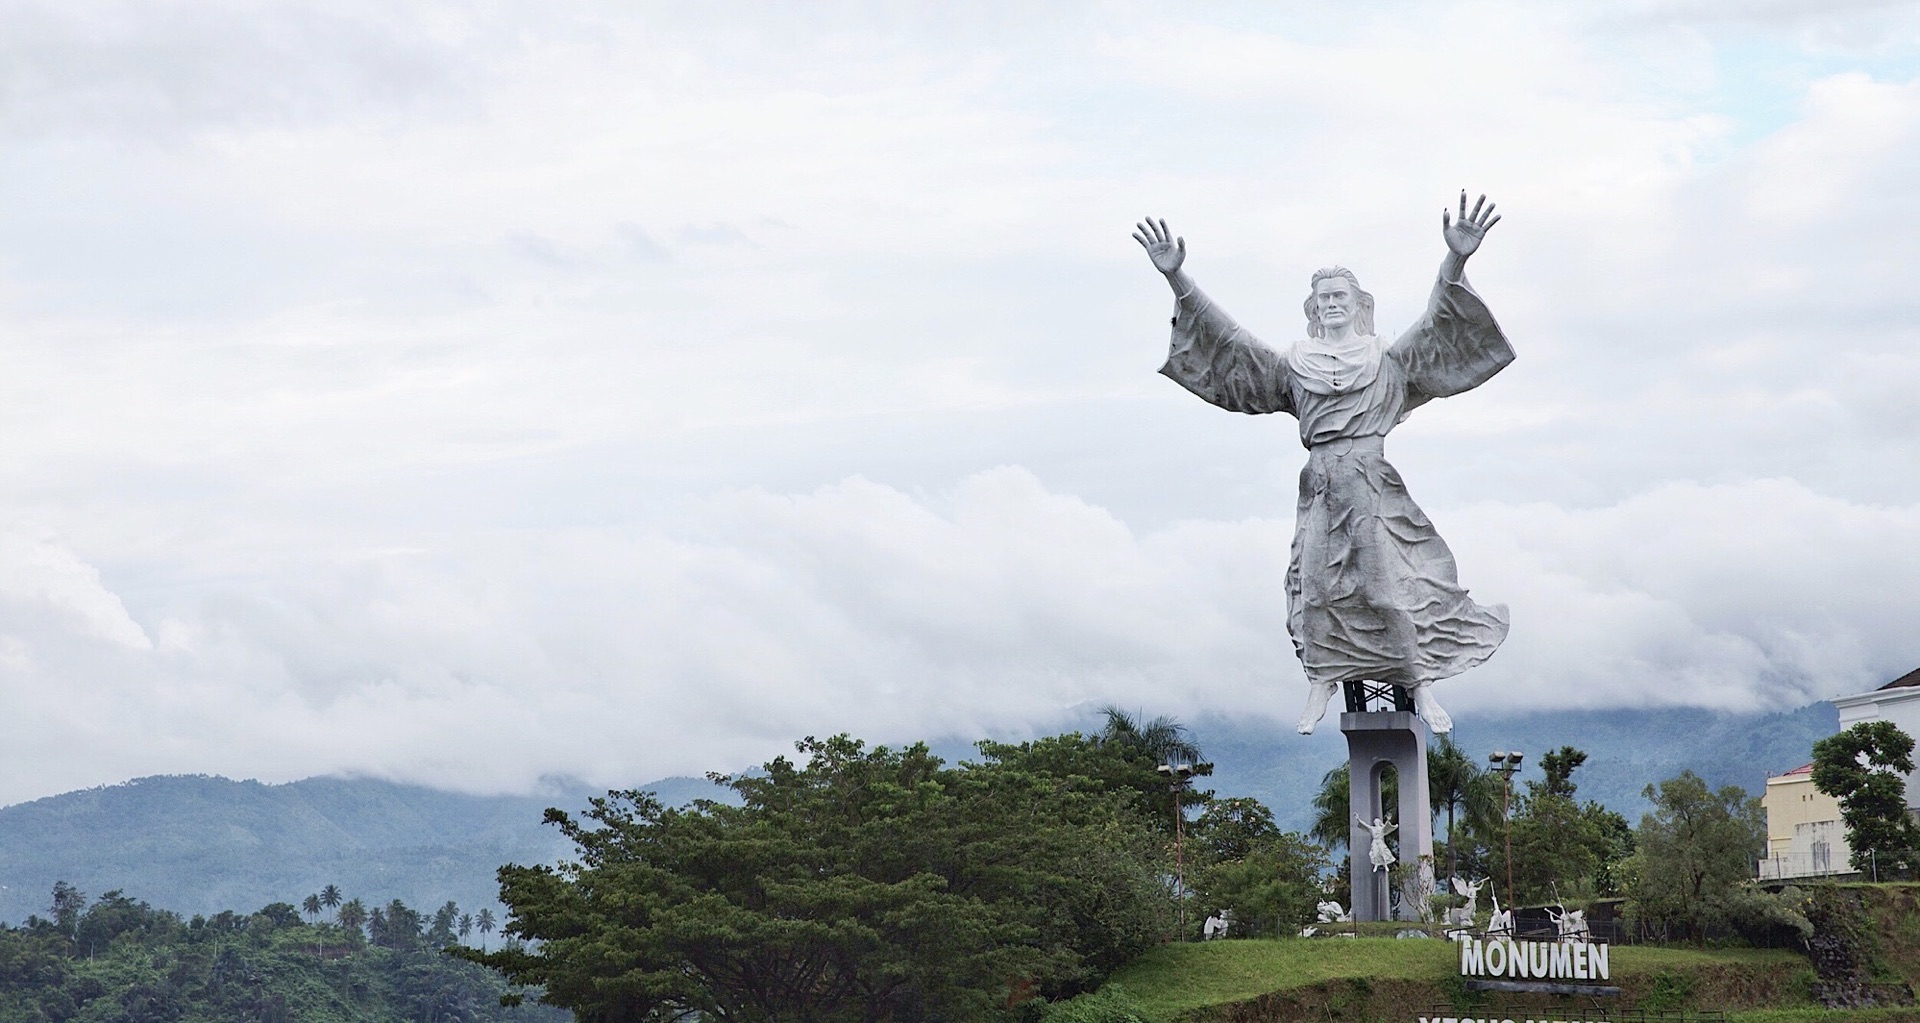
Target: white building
x,y
1804,834
1899,702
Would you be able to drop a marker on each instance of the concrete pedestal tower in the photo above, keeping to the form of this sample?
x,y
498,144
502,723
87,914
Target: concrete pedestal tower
x,y
1375,740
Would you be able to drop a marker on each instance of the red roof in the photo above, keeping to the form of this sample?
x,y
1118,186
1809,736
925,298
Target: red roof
x,y
1804,769
1910,680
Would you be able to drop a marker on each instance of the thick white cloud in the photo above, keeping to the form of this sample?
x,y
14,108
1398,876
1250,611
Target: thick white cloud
x,y
1001,607
469,392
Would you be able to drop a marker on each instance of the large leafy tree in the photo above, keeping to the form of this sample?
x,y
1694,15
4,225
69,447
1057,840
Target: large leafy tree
x,y
1694,853
1862,767
860,885
1270,879
68,903
1232,829
1556,768
1561,846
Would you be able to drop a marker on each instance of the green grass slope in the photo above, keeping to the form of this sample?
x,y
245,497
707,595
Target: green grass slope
x,y
1267,981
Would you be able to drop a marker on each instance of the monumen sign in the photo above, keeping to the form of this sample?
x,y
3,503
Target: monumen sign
x,y
1534,960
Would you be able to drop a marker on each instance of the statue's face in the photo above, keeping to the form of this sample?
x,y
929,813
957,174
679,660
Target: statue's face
x,y
1333,302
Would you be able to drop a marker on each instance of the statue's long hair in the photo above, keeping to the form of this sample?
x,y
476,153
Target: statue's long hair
x,y
1363,302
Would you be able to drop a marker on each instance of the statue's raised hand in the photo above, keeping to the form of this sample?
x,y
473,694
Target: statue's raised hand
x,y
1463,235
1166,251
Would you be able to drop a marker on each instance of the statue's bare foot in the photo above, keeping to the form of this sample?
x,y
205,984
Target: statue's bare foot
x,y
1317,699
1430,710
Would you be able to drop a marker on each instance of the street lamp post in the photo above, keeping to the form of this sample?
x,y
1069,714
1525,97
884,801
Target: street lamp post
x,y
1507,763
1180,779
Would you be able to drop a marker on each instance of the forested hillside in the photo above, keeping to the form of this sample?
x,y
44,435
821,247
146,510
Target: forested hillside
x,y
117,959
197,844
202,844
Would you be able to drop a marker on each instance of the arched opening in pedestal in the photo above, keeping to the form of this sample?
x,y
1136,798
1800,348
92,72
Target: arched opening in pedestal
x,y
1383,745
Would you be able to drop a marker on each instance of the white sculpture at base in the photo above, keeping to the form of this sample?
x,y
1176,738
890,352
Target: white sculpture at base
x,y
1331,913
1572,925
1372,590
1217,925
1500,925
1377,852
1462,916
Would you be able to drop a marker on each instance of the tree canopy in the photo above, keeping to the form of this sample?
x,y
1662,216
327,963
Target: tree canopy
x,y
856,885
116,959
1862,767
1695,852
1561,846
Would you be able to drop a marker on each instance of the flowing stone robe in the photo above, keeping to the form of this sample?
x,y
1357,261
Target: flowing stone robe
x,y
1372,591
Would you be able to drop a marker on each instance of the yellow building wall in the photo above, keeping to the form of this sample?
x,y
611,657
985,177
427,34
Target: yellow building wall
x,y
1791,801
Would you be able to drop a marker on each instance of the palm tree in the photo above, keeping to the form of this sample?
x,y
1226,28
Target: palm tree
x,y
311,906
484,921
1331,810
466,926
330,897
352,914
1459,785
1163,740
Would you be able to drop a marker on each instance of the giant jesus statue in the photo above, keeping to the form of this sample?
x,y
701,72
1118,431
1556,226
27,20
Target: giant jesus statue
x,y
1372,593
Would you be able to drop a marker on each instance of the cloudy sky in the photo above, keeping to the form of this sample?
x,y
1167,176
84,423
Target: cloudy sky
x,y
470,393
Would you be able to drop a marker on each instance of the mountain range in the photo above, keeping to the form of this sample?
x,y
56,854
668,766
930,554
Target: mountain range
x,y
201,844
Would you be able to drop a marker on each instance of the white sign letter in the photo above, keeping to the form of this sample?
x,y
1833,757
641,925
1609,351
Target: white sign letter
x,y
1473,960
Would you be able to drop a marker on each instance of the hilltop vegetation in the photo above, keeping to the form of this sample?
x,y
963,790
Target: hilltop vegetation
x,y
119,960
878,885
199,844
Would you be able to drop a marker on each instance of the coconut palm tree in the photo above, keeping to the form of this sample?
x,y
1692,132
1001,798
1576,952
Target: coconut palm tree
x,y
1460,785
484,921
311,906
352,914
330,897
1163,739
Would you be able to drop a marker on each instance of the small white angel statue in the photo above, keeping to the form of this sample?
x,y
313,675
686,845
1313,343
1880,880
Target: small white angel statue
x,y
1377,852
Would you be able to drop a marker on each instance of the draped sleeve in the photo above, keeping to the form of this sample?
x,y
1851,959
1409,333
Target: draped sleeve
x,y
1456,346
1217,359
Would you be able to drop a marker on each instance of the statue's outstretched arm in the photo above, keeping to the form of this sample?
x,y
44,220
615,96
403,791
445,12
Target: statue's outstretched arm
x,y
1455,346
1167,252
1463,236
1210,354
